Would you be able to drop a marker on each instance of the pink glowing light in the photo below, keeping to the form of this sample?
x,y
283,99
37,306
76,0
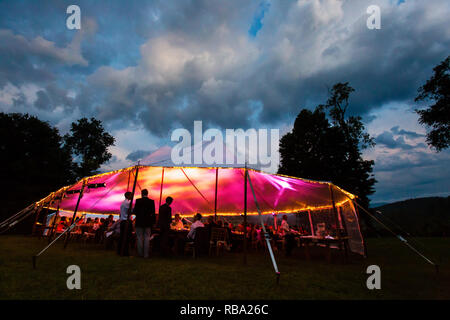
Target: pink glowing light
x,y
194,191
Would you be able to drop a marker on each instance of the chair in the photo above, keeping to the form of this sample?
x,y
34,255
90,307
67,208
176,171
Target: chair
x,y
218,240
321,229
200,244
111,240
257,239
87,237
281,245
305,242
190,246
152,243
253,240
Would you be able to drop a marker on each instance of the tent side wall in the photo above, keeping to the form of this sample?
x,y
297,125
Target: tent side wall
x,y
350,217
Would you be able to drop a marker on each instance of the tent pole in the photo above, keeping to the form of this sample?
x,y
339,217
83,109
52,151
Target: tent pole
x,y
245,214
161,189
336,219
130,208
343,226
49,203
266,235
66,241
52,230
400,238
341,219
48,246
215,195
311,223
18,214
341,223
355,209
38,213
16,218
78,202
128,183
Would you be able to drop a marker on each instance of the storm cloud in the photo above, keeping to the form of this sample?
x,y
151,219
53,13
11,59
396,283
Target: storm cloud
x,y
159,65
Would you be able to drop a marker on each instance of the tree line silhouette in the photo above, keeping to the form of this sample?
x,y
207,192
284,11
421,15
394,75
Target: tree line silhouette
x,y
37,160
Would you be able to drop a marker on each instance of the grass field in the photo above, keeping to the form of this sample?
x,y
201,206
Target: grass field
x,y
104,275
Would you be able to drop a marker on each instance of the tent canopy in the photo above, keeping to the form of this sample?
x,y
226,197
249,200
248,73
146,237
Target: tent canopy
x,y
194,190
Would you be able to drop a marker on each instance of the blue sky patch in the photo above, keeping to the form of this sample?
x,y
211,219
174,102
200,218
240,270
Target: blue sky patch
x,y
257,19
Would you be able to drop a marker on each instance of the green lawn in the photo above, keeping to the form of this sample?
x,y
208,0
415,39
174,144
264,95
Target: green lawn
x,y
404,275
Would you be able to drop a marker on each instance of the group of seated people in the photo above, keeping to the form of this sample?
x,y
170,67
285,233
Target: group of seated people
x,y
107,230
191,227
97,228
235,233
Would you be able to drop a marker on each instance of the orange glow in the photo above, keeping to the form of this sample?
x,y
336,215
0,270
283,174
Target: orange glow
x,y
193,189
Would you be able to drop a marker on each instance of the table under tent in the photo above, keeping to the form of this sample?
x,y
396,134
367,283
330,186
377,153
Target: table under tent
x,y
217,191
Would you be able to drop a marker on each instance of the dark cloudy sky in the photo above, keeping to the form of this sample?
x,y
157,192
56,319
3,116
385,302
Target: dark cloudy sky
x,y
147,67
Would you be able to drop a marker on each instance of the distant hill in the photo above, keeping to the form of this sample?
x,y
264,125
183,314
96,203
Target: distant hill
x,y
378,204
419,217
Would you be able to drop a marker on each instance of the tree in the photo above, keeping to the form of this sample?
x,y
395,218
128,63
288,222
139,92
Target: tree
x,y
311,142
437,115
331,151
89,143
34,161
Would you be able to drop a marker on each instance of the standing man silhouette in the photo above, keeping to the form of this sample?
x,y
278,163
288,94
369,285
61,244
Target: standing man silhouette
x,y
125,231
144,210
164,221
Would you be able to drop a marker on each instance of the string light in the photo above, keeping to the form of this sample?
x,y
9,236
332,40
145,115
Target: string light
x,y
231,213
67,190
